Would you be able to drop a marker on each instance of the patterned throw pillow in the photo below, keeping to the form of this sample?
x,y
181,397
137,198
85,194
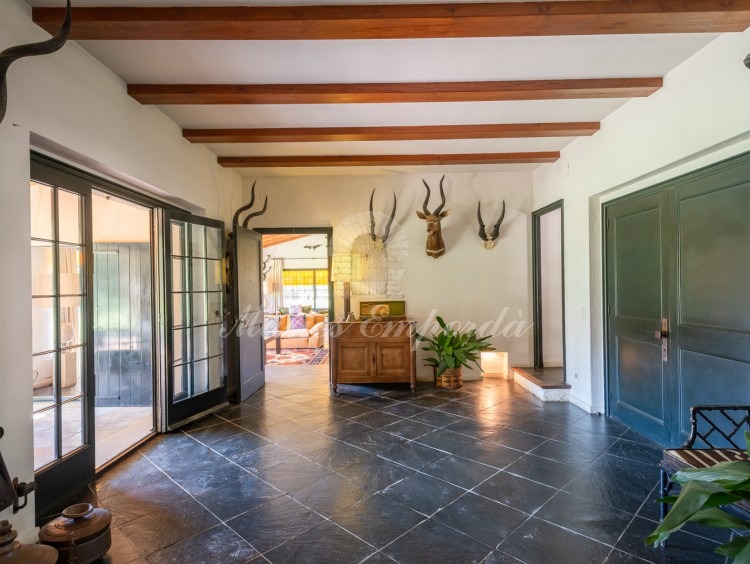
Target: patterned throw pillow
x,y
298,322
295,309
270,323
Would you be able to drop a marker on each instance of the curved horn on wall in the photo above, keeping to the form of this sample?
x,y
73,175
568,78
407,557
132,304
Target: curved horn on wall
x,y
12,54
256,214
496,228
236,219
747,61
387,231
482,228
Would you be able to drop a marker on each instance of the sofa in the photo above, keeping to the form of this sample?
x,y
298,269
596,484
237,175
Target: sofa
x,y
303,331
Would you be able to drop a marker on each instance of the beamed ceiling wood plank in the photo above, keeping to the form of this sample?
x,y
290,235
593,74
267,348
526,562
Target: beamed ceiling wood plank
x,y
495,19
393,133
390,160
402,92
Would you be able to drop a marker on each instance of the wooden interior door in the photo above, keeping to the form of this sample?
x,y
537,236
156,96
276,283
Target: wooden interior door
x,y
639,375
678,305
249,367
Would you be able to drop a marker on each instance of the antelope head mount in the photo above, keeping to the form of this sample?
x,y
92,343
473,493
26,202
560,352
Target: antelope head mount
x,y
380,240
486,234
12,54
243,209
435,244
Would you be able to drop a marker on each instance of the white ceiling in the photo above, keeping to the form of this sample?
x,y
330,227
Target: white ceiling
x,y
366,61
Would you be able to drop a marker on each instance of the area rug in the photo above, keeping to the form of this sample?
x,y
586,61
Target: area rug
x,y
297,356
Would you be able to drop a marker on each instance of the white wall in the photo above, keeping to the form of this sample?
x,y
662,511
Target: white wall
x,y
71,104
701,116
468,283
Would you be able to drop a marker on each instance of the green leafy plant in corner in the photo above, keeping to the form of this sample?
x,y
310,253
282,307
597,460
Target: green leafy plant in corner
x,y
704,490
452,348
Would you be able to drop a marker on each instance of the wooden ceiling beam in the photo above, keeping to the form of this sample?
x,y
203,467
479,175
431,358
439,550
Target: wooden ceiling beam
x,y
392,133
390,160
402,92
492,19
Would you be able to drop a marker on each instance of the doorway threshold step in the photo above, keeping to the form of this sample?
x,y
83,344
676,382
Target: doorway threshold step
x,y
545,383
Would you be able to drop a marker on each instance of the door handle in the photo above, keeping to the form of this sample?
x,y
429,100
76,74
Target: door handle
x,y
663,334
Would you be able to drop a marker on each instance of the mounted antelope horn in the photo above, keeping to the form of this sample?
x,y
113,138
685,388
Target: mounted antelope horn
x,y
442,197
256,214
427,198
489,237
387,231
236,219
12,54
747,61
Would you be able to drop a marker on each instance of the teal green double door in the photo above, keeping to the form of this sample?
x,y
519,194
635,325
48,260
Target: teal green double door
x,y
678,299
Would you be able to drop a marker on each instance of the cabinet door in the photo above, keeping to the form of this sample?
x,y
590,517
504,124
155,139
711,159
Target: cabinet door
x,y
392,359
354,359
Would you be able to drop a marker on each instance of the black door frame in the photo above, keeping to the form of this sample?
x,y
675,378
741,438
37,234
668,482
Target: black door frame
x,y
309,231
536,274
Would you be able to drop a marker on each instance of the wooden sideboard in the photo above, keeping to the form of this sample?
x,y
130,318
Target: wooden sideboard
x,y
373,352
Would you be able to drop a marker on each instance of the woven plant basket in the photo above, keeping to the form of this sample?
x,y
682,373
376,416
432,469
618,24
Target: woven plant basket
x,y
451,378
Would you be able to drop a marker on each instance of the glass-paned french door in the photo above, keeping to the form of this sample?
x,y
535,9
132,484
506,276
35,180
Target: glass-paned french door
x,y
196,379
61,334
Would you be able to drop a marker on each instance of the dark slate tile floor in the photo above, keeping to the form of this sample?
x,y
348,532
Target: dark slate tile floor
x,y
485,474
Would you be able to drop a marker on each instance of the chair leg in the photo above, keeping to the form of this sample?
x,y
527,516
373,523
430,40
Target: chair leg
x,y
665,486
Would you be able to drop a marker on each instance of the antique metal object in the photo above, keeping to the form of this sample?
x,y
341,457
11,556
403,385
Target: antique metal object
x,y
12,54
387,231
13,552
487,235
240,211
80,535
435,244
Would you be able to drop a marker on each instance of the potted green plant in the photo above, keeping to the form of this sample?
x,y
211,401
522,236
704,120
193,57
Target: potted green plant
x,y
704,490
452,350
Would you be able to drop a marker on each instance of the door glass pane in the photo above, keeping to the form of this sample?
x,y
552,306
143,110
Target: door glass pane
x,y
215,373
179,233
213,243
179,382
199,309
215,340
44,437
42,226
198,242
69,217
200,343
199,275
200,377
214,281
72,330
178,275
179,310
71,372
71,273
72,425
214,307
43,380
42,268
43,315
181,346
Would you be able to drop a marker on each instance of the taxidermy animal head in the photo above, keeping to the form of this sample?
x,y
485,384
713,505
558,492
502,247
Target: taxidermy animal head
x,y
12,54
489,235
435,244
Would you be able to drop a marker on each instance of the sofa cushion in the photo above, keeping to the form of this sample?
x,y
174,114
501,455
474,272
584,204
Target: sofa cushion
x,y
295,334
298,322
295,309
283,322
317,328
270,323
306,309
283,311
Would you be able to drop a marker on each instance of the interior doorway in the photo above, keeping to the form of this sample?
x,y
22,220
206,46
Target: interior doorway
x,y
123,324
297,295
548,280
